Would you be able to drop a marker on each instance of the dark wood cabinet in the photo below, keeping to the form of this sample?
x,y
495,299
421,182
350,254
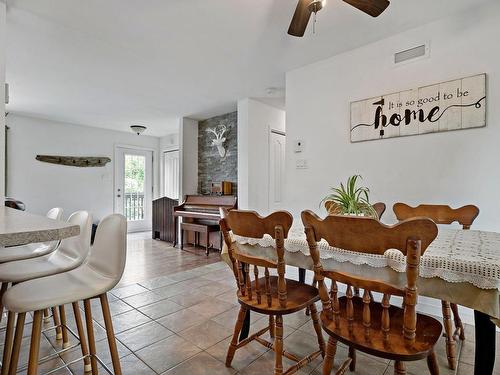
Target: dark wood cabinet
x,y
163,220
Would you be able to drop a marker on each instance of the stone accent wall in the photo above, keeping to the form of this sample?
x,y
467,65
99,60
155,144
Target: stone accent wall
x,y
211,167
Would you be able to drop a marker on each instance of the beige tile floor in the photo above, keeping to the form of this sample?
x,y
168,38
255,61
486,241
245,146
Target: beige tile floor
x,y
181,323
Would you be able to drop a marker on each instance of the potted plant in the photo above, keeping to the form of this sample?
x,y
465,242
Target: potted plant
x,y
349,199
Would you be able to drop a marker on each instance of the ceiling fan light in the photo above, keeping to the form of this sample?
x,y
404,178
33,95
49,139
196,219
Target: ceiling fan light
x,y
138,129
316,5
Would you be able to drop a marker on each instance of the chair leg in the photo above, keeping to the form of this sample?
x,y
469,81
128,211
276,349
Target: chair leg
x,y
432,364
57,323
90,335
3,289
271,326
331,350
234,340
352,355
317,328
399,368
16,348
83,340
458,322
9,337
62,312
278,346
36,333
448,329
46,316
111,334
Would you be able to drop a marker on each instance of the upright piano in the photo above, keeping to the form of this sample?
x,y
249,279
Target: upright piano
x,y
203,209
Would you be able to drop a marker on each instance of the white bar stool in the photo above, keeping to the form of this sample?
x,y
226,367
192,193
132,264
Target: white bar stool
x,y
71,253
100,273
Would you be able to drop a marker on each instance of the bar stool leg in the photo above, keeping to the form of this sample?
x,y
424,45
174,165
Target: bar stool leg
x,y
9,337
90,333
3,289
46,316
64,328
83,340
57,323
111,334
18,338
36,332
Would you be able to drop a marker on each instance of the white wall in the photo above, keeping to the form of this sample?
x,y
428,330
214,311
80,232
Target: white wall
x,y
188,147
2,100
455,167
255,121
42,186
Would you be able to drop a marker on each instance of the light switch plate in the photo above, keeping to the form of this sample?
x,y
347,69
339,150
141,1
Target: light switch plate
x,y
301,164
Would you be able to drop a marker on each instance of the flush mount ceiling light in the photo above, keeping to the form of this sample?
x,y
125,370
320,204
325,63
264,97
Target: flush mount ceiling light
x,y
138,129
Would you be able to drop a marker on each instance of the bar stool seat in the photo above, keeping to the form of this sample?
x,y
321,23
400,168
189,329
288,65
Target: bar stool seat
x,y
33,250
64,288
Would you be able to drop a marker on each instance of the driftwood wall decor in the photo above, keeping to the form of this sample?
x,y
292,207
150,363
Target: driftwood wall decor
x,y
75,161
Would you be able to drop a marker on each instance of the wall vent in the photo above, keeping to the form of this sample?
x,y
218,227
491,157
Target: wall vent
x,y
411,54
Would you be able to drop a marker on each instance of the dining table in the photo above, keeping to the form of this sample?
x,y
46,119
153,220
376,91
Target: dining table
x,y
459,266
20,228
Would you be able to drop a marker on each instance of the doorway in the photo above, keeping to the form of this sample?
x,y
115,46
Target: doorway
x,y
134,187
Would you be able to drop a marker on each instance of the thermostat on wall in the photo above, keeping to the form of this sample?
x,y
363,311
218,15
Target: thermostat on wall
x,y
299,145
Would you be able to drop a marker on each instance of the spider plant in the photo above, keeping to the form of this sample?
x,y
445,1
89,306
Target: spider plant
x,y
349,199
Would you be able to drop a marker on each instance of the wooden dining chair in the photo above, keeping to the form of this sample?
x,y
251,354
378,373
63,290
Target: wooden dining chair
x,y
442,214
379,208
376,328
274,296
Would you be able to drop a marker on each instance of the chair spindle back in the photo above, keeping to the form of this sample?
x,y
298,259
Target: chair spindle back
x,y
251,224
367,235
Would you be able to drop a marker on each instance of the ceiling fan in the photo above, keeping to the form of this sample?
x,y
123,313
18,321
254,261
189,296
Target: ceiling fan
x,y
307,7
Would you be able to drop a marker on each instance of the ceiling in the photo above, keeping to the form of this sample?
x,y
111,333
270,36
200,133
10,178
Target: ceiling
x,y
114,63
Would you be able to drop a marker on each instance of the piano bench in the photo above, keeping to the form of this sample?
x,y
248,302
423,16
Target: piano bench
x,y
197,228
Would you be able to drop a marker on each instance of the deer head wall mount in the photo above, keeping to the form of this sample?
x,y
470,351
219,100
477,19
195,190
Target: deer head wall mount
x,y
219,140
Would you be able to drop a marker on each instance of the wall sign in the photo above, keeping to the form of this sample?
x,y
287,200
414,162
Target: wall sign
x,y
452,105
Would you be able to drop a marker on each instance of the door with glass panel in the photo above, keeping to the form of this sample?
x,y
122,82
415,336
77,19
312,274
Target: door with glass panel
x,y
134,187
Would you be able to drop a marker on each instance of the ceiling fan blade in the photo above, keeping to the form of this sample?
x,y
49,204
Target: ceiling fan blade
x,y
300,18
372,7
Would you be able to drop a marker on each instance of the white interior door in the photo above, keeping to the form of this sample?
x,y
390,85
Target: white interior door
x,y
276,169
134,187
171,174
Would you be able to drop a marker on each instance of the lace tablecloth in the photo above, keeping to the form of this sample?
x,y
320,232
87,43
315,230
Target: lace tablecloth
x,y
455,255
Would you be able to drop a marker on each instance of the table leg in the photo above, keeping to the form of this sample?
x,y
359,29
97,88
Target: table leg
x,y
484,361
302,275
246,323
246,326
